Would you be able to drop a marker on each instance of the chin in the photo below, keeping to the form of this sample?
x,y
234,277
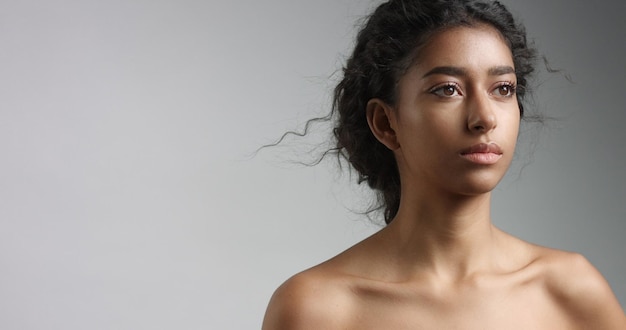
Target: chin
x,y
476,186
477,191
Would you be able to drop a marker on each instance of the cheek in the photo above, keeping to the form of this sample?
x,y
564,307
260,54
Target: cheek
x,y
431,130
509,131
512,123
445,126
420,130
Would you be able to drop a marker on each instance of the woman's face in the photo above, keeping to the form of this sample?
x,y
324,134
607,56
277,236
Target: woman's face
x,y
456,118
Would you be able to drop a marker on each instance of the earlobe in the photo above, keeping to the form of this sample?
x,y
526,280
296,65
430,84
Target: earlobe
x,y
381,121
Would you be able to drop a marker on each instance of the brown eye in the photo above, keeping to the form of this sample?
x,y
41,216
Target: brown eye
x,y
447,90
505,90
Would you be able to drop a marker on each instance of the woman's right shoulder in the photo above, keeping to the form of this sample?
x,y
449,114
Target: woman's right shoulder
x,y
313,299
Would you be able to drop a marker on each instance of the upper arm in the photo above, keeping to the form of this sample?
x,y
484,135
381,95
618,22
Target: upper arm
x,y
304,303
586,295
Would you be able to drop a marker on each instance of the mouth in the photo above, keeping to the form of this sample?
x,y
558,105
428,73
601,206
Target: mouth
x,y
482,153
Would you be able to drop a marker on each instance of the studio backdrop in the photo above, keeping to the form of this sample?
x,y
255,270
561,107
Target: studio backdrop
x,y
132,195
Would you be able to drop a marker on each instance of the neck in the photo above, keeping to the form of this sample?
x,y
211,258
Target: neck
x,y
452,236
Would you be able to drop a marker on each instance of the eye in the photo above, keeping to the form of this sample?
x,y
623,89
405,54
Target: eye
x,y
505,89
447,90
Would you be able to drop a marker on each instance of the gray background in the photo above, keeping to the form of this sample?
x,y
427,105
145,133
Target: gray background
x,y
128,195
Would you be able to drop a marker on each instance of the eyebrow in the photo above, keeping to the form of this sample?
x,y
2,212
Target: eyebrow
x,y
460,72
501,70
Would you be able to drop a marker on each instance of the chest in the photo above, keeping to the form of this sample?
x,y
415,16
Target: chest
x,y
519,308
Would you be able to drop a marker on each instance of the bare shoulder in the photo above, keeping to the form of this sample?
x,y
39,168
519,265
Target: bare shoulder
x,y
580,290
313,299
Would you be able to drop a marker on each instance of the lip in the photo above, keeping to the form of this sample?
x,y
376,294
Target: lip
x,y
482,153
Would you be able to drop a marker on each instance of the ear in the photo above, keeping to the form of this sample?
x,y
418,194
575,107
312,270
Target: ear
x,y
381,119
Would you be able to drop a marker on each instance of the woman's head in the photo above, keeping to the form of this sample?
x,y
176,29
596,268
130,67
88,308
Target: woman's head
x,y
387,45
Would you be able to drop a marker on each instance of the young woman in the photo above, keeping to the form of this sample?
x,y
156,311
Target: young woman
x,y
428,114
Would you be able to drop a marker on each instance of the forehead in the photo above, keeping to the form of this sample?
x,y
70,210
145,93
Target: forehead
x,y
474,48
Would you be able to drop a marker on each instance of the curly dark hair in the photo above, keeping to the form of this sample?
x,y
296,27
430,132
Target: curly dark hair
x,y
386,46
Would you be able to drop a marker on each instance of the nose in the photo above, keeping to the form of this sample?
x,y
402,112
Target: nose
x,y
481,117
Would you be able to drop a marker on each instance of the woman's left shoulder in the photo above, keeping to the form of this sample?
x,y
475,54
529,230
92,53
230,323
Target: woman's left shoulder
x,y
580,289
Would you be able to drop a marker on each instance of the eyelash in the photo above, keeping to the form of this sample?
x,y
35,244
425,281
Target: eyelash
x,y
510,85
439,89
